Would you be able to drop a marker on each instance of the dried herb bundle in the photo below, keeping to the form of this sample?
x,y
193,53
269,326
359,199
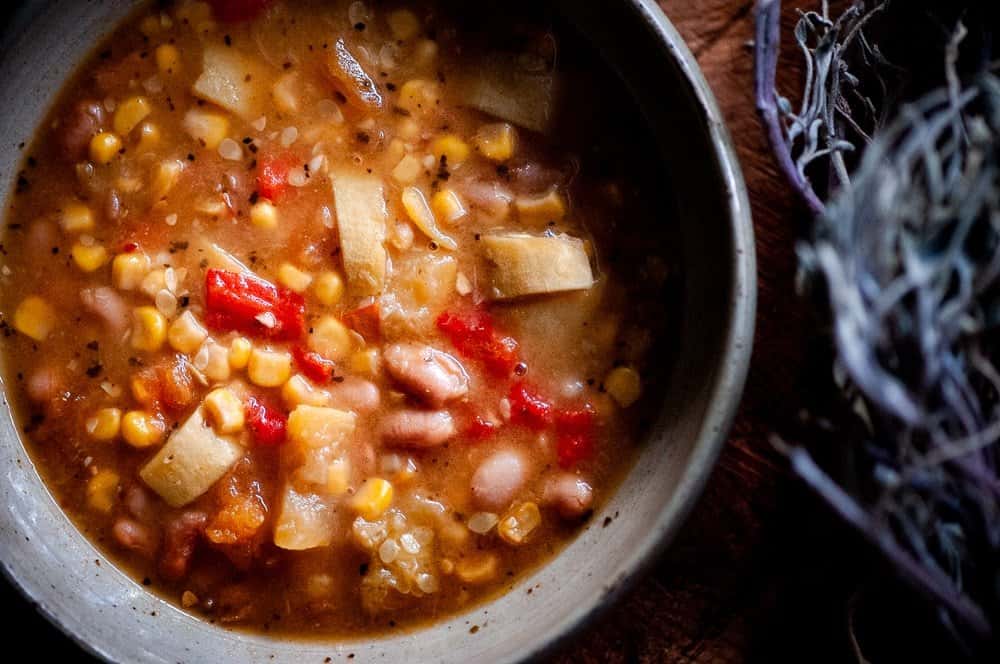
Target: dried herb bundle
x,y
905,253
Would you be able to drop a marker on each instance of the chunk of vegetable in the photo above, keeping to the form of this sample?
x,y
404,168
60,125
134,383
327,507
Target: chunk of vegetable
x,y
304,522
351,78
253,306
268,425
206,127
229,79
522,264
361,222
500,85
194,459
419,212
312,364
312,426
474,336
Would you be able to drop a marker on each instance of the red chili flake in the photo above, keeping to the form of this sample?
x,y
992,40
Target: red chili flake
x,y
272,174
129,247
268,425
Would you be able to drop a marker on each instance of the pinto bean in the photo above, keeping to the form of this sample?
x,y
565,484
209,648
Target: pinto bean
x,y
180,538
109,306
76,129
570,495
44,384
138,503
431,375
417,428
355,394
135,536
498,478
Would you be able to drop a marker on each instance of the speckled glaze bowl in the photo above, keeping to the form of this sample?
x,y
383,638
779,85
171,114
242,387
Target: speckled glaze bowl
x,y
112,616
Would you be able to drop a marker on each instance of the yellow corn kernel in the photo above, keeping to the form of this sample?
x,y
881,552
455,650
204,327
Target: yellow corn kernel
x,y
105,424
128,270
515,527
186,334
149,137
549,207
285,93
206,127
447,206
419,95
149,329
299,390
365,362
496,141
217,363
168,59
150,26
225,409
293,278
328,288
338,477
419,212
624,385
35,318
239,353
424,52
372,498
102,489
141,429
451,149
408,129
165,176
154,282
269,368
263,214
129,113
478,568
89,257
77,218
104,147
143,391
403,23
407,170
331,339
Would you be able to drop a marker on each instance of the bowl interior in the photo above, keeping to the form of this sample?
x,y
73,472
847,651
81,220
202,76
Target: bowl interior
x,y
82,592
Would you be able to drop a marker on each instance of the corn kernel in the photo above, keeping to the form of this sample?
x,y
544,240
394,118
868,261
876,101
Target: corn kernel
x,y
217,363
128,270
186,334
408,129
328,288
450,149
496,141
517,525
129,113
206,127
293,278
331,339
263,214
478,568
365,362
448,206
104,147
269,368
89,257
168,59
407,170
624,385
419,95
549,207
35,318
419,211
105,424
239,353
154,282
403,23
225,409
372,498
285,93
77,218
424,52
102,489
150,25
316,426
141,429
149,137
165,176
338,477
143,391
298,390
149,329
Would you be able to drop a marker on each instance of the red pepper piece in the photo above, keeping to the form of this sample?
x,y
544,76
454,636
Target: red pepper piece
x,y
241,302
233,11
272,174
575,435
480,429
365,320
267,424
474,336
527,407
312,364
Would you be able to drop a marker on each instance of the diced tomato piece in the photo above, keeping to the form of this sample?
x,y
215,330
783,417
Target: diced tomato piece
x,y
312,364
253,306
365,320
475,337
177,388
234,11
527,407
272,175
480,429
268,425
575,435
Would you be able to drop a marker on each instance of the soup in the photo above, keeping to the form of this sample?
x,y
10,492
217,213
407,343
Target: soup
x,y
320,317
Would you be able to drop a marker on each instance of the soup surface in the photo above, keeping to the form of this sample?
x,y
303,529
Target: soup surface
x,y
324,317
